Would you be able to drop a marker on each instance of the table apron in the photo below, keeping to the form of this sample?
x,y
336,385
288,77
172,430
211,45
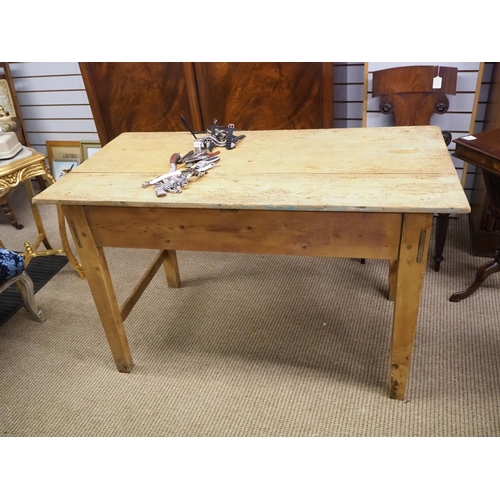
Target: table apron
x,y
329,234
477,158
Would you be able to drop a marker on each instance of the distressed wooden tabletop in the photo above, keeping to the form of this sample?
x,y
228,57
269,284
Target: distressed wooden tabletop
x,y
389,169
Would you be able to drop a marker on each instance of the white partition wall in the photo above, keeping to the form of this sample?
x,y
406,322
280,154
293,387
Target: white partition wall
x,y
349,94
53,102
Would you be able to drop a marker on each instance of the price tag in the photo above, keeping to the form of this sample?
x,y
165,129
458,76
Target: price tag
x,y
437,82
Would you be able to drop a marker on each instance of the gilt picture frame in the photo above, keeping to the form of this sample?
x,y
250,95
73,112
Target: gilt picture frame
x,y
63,157
89,148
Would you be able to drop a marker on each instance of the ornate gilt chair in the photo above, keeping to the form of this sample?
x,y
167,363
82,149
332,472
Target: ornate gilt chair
x,y
413,94
12,271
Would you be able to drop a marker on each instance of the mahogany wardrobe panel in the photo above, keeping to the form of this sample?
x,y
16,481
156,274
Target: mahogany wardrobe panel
x,y
151,97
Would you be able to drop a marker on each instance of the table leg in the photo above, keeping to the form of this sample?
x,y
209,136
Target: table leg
x,y
172,269
42,235
97,274
36,215
411,264
393,274
65,244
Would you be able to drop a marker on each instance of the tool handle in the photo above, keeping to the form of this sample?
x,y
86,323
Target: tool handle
x,y
175,158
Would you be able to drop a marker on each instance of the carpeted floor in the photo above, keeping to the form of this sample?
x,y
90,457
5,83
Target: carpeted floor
x,y
253,345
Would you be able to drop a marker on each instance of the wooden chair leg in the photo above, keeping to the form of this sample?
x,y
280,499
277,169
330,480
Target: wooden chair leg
x,y
482,273
10,214
442,223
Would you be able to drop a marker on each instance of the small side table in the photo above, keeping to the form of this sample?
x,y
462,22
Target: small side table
x,y
483,150
29,164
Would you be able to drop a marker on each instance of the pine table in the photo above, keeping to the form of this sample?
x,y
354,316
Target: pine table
x,y
359,193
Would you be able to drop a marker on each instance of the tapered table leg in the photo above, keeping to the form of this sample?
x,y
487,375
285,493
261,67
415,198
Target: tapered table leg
x,y
36,215
393,276
410,277
97,274
172,269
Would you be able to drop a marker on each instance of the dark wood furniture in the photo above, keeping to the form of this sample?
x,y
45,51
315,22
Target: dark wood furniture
x,y
266,96
413,94
151,97
484,152
20,131
483,226
4,203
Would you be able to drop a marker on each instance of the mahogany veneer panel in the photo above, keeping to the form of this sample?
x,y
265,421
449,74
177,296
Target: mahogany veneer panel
x,y
140,97
266,96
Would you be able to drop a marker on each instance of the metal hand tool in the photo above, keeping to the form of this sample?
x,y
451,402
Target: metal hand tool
x,y
190,158
174,182
178,183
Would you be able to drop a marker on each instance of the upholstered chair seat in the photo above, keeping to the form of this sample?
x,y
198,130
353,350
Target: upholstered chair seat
x,y
11,265
12,270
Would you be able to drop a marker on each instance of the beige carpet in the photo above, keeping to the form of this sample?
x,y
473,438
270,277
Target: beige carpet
x,y
252,345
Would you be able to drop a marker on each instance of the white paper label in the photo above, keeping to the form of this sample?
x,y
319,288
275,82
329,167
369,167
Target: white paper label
x,y
437,82
469,138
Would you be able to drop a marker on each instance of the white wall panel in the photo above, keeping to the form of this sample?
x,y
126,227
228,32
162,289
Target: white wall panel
x,y
349,72
458,103
380,120
59,126
461,102
54,97
348,95
356,73
41,138
350,92
345,110
45,83
452,121
57,112
347,123
467,82
481,111
373,105
20,70
458,163
53,102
